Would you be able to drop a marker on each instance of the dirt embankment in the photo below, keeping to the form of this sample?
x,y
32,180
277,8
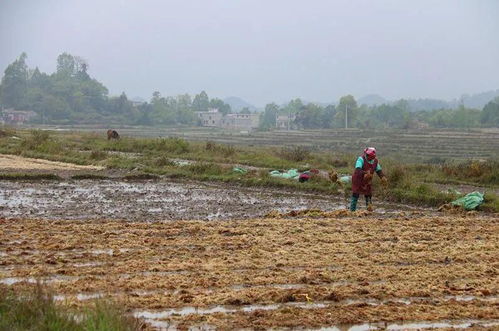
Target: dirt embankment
x,y
266,273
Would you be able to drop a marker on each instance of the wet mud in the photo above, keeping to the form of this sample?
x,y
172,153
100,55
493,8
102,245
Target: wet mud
x,y
156,200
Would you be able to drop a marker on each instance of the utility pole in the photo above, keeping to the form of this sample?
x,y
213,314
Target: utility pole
x,y
289,117
346,116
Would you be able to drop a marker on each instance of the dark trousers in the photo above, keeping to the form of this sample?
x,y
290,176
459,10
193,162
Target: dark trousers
x,y
355,198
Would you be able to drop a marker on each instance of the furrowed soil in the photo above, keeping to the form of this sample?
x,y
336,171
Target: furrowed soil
x,y
336,271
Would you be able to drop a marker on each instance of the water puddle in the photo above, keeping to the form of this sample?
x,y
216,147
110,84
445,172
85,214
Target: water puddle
x,y
161,325
416,325
155,200
108,251
148,314
220,309
15,280
45,280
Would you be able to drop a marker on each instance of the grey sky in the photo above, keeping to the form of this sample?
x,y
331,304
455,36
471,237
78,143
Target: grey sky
x,y
264,50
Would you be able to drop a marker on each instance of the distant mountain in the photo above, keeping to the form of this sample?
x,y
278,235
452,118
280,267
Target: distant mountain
x,y
427,104
372,100
237,104
478,100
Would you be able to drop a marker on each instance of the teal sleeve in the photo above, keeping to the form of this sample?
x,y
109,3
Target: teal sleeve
x,y
360,163
378,167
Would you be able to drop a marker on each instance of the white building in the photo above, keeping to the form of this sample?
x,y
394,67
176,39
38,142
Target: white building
x,y
214,118
211,118
285,122
245,122
17,117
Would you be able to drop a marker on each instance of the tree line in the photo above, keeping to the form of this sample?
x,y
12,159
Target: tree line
x,y
347,113
71,96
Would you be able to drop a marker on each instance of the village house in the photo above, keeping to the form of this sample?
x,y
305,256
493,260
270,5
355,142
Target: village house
x,y
285,122
17,117
210,118
237,121
245,122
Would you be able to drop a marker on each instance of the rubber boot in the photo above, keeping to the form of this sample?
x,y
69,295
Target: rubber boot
x,y
369,204
353,203
368,200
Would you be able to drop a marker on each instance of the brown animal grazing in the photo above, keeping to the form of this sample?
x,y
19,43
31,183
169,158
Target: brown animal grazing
x,y
112,134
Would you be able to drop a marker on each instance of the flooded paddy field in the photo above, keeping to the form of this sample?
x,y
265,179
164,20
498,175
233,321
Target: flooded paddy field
x,y
156,200
345,271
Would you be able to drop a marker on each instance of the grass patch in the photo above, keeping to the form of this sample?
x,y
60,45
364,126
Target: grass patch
x,y
491,203
7,132
36,310
98,155
202,168
479,171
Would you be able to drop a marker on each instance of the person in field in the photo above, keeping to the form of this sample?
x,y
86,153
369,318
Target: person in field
x,y
365,167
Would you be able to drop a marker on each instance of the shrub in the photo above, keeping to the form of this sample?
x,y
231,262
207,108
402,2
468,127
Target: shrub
x,y
295,153
224,150
173,145
36,139
201,168
398,176
210,146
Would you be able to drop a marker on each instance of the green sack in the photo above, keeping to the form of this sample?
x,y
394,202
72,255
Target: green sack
x,y
240,170
290,174
470,201
345,179
293,174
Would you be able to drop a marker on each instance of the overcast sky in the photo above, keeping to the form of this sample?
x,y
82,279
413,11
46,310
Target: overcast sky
x,y
264,50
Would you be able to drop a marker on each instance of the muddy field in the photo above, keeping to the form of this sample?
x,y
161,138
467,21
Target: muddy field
x,y
336,272
155,200
191,255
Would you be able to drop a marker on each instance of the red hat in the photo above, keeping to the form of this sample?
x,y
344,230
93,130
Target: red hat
x,y
370,153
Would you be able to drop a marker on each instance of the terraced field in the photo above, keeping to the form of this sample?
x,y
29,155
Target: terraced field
x,y
339,271
411,144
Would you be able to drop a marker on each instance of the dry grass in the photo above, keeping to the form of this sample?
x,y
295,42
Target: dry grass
x,y
330,259
22,163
